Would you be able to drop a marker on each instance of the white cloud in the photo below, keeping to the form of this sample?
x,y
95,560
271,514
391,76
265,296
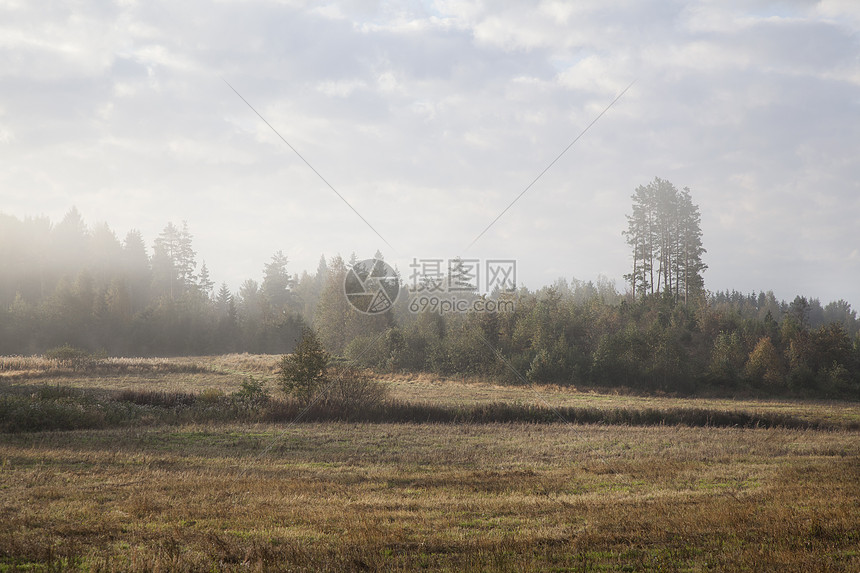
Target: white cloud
x,y
842,12
159,55
341,88
598,74
388,83
431,117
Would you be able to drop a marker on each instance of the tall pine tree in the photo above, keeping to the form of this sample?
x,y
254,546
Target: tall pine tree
x,y
665,235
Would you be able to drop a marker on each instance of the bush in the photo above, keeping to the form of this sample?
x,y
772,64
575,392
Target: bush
x,y
252,393
156,398
367,351
75,358
211,395
545,368
353,389
303,373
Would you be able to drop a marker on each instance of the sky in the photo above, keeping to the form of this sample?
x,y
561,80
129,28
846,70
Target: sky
x,y
429,118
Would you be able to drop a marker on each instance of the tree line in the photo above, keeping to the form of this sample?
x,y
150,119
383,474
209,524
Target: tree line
x,y
582,334
71,284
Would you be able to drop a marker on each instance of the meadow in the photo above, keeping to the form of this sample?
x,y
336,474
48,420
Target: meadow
x,y
174,493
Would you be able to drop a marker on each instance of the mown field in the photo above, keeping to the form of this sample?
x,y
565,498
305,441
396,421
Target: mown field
x,y
343,496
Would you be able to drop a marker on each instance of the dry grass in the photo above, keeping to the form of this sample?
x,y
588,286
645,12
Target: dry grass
x,y
424,387
181,374
389,497
339,497
226,373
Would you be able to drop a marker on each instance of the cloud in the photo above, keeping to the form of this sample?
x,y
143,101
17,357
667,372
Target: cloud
x,y
430,117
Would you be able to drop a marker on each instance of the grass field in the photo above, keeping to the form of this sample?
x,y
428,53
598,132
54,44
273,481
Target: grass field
x,y
460,497
226,373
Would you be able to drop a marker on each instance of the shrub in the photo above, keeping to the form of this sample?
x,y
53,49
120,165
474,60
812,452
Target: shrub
x,y
303,373
353,389
74,358
252,393
211,395
836,380
367,351
545,368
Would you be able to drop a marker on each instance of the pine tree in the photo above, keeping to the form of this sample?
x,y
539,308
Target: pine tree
x,y
105,254
70,239
302,374
277,283
228,320
173,261
136,269
164,254
184,259
639,236
690,249
665,235
204,283
333,312
223,299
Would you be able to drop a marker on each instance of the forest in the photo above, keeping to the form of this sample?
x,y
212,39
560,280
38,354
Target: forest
x,y
67,284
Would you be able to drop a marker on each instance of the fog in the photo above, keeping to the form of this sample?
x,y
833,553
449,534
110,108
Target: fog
x,y
430,118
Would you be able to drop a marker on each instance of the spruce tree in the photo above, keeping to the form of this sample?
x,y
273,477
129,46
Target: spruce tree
x,y
303,373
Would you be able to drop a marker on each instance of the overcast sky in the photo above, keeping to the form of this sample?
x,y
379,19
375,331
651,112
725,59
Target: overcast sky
x,y
430,117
